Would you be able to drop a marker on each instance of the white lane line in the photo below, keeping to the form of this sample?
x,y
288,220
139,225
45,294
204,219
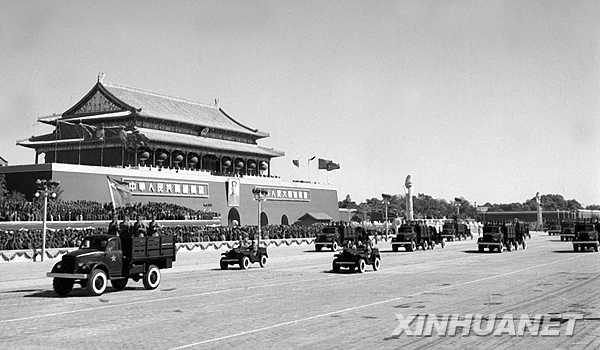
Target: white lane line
x,y
147,301
354,308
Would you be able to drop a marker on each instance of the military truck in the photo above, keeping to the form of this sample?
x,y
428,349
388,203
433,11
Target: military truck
x,y
454,230
414,235
554,229
243,256
586,237
567,232
330,237
501,237
103,258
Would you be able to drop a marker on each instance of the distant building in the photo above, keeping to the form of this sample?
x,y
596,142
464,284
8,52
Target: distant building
x,y
531,216
346,214
3,162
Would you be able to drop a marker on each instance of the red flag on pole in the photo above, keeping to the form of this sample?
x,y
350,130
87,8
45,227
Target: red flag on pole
x,y
120,194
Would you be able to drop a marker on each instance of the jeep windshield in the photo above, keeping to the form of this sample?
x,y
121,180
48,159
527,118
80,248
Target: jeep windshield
x,y
491,229
584,227
405,229
329,230
96,243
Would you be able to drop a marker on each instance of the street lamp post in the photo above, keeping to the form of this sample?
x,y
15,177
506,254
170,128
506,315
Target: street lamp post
x,y
386,201
45,188
260,195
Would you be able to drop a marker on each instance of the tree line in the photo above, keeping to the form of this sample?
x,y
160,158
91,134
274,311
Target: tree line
x,y
427,207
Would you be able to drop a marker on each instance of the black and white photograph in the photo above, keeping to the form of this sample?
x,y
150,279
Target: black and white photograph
x,y
290,174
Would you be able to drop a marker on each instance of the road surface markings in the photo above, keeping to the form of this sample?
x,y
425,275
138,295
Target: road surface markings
x,y
147,301
354,308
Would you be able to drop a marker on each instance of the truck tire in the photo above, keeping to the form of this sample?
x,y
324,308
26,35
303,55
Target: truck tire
x,y
335,267
413,246
443,243
151,278
575,248
524,244
334,247
376,263
62,286
224,265
119,284
596,248
480,248
97,282
361,265
432,245
263,261
318,248
244,263
509,246
394,248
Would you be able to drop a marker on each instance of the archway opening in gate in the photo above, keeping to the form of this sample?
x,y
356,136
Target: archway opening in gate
x,y
233,218
284,220
264,220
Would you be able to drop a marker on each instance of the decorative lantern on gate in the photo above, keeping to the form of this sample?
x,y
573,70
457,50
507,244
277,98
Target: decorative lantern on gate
x,y
264,165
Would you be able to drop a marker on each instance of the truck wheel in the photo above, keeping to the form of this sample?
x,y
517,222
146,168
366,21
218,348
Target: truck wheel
x,y
425,245
318,248
119,284
394,248
509,246
96,283
413,246
361,265
524,244
480,249
432,245
334,247
335,267
263,261
575,248
244,263
443,243
596,248
376,264
62,286
224,265
562,238
152,277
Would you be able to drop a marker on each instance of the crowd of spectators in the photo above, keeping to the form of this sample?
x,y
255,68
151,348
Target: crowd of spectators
x,y
68,238
22,210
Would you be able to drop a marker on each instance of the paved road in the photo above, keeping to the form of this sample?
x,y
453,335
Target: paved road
x,y
296,302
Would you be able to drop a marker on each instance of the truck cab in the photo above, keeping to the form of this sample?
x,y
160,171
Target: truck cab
x,y
103,258
567,232
586,237
329,237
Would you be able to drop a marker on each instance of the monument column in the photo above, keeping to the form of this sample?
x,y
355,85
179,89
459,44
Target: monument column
x,y
540,222
409,199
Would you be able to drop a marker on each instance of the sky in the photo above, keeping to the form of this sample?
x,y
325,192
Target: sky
x,y
490,100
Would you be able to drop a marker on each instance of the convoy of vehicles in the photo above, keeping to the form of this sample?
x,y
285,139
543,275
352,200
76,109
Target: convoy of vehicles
x,y
103,258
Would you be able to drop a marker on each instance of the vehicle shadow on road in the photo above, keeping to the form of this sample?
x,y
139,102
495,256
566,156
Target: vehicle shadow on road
x,y
393,252
76,292
569,251
473,251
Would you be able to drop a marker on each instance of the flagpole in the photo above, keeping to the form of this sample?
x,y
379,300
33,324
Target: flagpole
x,y
112,196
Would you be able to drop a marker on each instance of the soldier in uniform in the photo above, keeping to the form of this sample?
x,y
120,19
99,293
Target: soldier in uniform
x,y
125,228
113,227
154,228
139,228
